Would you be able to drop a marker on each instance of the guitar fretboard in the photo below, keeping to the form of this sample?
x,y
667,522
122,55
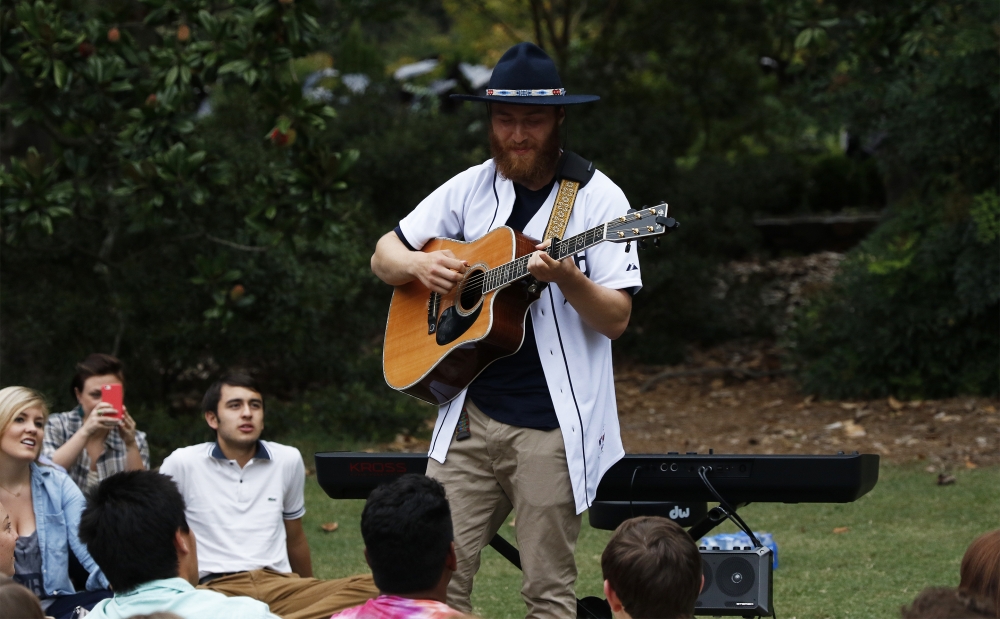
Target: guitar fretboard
x,y
518,268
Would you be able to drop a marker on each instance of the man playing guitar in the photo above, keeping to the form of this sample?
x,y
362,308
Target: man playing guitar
x,y
536,430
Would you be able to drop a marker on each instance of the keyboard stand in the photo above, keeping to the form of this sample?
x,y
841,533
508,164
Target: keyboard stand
x,y
712,519
506,550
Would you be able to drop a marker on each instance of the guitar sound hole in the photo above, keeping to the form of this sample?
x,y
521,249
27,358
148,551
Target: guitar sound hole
x,y
472,290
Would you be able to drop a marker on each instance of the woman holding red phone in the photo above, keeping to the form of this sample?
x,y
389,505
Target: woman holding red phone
x,y
97,438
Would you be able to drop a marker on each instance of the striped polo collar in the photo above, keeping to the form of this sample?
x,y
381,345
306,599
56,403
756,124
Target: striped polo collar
x,y
262,452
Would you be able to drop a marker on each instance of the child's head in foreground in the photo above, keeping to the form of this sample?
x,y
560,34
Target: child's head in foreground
x,y
652,570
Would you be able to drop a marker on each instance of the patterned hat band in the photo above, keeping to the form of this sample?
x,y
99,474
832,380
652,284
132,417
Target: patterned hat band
x,y
539,92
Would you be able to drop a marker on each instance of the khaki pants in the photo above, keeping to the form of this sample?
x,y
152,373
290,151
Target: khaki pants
x,y
503,467
293,597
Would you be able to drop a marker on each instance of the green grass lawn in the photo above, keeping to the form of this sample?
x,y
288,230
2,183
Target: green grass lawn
x,y
907,534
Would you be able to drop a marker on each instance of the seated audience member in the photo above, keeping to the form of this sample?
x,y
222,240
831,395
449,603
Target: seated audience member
x,y
8,542
134,527
652,569
86,441
44,539
409,545
245,501
978,592
17,602
948,603
980,571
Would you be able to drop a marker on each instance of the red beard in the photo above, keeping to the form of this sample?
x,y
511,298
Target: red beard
x,y
536,167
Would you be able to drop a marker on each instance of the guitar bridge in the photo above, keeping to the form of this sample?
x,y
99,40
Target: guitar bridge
x,y
433,307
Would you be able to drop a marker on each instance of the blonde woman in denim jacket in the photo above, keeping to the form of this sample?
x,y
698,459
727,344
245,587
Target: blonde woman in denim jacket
x,y
45,507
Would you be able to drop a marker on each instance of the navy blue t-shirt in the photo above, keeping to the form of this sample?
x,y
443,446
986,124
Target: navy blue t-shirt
x,y
513,390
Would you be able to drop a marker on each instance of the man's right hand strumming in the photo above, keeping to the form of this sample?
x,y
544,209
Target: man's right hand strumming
x,y
396,265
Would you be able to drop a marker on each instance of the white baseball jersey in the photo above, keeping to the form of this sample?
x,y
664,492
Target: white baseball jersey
x,y
575,358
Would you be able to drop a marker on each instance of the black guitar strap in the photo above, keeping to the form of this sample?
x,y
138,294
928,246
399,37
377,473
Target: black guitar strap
x,y
574,167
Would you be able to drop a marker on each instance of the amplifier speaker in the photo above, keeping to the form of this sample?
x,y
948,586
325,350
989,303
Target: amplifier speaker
x,y
737,583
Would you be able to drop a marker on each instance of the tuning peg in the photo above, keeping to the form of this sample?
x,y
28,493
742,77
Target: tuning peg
x,y
628,246
669,223
656,242
642,244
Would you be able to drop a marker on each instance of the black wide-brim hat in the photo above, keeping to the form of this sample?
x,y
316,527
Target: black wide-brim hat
x,y
525,75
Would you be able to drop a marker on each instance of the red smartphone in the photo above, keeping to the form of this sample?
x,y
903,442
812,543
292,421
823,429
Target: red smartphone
x,y
112,394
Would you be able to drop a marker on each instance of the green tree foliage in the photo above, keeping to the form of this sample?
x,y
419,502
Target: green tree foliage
x,y
689,114
923,74
915,311
171,196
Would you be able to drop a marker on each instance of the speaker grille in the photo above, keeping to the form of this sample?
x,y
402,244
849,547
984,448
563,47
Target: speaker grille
x,y
735,576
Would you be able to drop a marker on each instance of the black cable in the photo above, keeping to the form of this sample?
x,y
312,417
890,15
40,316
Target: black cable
x,y
495,195
726,507
729,509
732,515
631,511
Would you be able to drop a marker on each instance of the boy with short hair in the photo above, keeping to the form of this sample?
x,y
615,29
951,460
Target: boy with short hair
x,y
409,544
652,570
135,529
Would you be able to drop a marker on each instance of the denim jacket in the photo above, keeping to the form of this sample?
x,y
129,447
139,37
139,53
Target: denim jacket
x,y
58,504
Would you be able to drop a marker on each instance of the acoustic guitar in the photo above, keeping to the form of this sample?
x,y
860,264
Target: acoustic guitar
x,y
436,344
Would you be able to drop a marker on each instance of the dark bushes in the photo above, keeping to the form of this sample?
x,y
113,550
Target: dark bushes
x,y
914,312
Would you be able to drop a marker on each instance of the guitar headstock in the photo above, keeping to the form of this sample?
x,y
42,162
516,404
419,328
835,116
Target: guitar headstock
x,y
640,223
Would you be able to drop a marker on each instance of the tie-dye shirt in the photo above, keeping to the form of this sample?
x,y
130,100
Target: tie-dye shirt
x,y
392,607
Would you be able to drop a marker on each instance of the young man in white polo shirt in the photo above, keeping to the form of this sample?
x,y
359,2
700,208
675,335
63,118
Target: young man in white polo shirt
x,y
538,428
245,503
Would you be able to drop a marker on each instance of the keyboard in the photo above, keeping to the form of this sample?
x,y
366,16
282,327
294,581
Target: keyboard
x,y
739,478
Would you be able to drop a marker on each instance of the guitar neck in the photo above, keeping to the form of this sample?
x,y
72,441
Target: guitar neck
x,y
518,269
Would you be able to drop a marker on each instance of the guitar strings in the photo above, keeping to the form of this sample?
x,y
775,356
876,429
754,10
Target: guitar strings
x,y
520,263
475,280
